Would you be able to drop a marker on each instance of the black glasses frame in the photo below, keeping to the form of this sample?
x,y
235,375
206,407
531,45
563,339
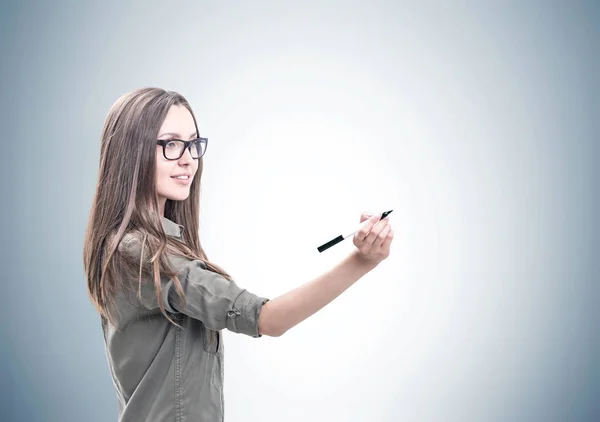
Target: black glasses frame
x,y
187,145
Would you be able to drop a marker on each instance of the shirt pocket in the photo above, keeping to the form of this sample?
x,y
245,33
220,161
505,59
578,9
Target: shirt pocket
x,y
211,340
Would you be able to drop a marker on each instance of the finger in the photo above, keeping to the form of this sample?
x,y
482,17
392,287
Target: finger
x,y
375,231
382,236
388,241
365,216
364,229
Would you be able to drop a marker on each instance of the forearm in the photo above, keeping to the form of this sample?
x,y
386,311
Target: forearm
x,y
284,312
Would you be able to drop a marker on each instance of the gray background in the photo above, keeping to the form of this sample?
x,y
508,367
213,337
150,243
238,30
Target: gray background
x,y
477,123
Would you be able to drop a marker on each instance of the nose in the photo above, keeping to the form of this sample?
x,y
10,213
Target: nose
x,y
186,159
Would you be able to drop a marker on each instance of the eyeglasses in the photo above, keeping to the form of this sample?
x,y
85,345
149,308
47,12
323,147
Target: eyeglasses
x,y
173,149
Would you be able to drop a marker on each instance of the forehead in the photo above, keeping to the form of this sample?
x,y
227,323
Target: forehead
x,y
179,121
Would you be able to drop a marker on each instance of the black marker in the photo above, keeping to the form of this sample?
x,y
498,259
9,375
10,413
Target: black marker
x,y
338,239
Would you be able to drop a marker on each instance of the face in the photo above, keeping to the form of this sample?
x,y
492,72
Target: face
x,y
174,177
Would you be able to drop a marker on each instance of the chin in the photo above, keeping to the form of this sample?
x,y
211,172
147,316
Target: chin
x,y
175,195
178,197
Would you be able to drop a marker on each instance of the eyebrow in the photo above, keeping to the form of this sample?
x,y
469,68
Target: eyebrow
x,y
176,135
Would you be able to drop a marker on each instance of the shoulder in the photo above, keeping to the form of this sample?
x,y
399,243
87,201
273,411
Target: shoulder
x,y
131,243
136,245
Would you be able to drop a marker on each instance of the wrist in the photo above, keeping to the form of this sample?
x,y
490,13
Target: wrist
x,y
360,261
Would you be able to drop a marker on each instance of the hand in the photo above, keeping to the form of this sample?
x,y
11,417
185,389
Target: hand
x,y
374,238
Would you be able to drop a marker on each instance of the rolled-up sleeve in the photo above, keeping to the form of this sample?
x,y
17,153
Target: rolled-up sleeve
x,y
214,300
209,297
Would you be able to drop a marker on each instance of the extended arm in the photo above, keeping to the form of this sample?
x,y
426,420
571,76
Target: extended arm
x,y
284,312
222,304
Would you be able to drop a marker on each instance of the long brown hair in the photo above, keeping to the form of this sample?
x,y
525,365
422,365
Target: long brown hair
x,y
126,200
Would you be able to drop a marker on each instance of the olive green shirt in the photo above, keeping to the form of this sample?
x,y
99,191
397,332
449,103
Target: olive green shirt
x,y
165,373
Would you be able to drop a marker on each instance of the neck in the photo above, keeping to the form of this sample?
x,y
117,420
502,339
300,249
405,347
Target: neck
x,y
161,206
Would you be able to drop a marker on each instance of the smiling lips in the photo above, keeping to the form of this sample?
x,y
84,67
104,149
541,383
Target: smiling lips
x,y
182,179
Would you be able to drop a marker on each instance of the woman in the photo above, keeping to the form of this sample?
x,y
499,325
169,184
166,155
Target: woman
x,y
162,302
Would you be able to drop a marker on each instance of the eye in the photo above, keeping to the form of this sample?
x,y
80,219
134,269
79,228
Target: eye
x,y
171,144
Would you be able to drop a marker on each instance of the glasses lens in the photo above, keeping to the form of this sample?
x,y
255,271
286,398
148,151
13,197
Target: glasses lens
x,y
198,148
173,149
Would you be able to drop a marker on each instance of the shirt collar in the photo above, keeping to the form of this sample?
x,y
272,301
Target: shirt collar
x,y
171,228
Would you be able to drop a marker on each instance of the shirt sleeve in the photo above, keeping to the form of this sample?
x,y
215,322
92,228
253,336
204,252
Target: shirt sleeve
x,y
209,297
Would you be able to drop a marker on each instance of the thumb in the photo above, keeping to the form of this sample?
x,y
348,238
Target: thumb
x,y
365,216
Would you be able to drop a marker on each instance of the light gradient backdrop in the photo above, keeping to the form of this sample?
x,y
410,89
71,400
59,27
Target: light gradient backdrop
x,y
478,124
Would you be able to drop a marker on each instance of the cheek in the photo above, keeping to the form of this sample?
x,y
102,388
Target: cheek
x,y
163,170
